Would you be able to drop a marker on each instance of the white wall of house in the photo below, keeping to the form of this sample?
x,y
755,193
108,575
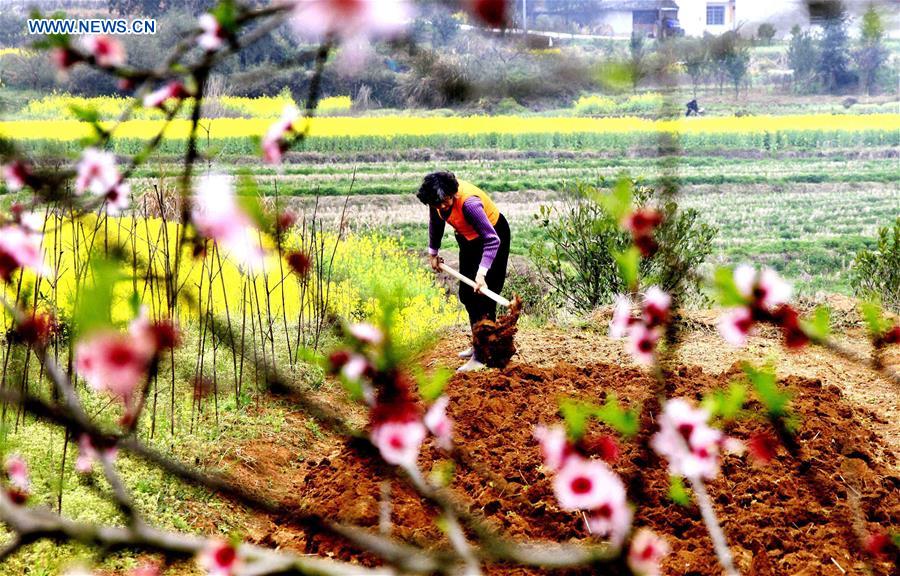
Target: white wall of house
x,y
614,23
692,15
747,15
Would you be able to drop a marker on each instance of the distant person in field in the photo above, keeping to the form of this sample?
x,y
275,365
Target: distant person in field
x,y
693,108
483,237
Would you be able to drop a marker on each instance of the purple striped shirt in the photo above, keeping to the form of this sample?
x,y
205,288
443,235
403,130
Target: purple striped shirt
x,y
473,212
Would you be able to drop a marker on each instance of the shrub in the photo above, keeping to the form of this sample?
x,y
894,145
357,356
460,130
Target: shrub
x,y
765,33
509,107
526,282
642,103
579,258
875,273
594,104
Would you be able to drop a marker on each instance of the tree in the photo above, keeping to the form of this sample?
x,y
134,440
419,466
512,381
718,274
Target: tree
x,y
832,65
731,58
637,63
736,63
765,33
802,54
695,55
871,54
444,26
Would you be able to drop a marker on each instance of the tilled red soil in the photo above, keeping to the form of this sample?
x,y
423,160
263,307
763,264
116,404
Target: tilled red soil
x,y
790,516
495,341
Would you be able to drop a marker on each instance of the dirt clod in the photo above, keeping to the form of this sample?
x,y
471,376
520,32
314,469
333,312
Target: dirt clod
x,y
494,342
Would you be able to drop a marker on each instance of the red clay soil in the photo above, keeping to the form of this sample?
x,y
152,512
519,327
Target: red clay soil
x,y
790,516
495,342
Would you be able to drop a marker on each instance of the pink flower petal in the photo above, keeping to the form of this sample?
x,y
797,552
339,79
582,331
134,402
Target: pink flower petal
x,y
399,442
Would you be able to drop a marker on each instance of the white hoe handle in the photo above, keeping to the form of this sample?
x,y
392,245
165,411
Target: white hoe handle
x,y
489,293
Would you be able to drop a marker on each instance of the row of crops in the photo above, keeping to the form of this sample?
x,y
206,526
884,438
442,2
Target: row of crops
x,y
65,107
500,174
238,136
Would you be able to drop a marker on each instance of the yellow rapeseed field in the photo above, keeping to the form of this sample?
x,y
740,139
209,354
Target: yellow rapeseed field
x,y
362,264
56,107
388,126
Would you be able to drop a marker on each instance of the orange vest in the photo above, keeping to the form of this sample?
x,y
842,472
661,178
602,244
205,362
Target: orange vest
x,y
456,217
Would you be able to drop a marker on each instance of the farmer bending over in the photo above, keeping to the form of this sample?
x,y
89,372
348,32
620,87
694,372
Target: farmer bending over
x,y
483,237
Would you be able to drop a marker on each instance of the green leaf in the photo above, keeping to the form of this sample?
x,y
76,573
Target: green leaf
x,y
576,415
431,387
85,113
615,76
818,326
226,15
726,404
442,472
248,195
726,290
625,422
874,318
766,386
678,492
629,263
353,387
94,309
134,302
618,202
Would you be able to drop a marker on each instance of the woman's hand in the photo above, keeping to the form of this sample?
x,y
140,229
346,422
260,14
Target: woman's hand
x,y
435,262
480,281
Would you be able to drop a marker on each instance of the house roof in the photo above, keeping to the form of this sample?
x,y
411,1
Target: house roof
x,y
638,5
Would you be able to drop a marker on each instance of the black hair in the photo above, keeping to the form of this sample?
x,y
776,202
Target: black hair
x,y
437,186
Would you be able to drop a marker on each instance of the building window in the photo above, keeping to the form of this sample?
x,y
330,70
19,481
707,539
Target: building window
x,y
715,15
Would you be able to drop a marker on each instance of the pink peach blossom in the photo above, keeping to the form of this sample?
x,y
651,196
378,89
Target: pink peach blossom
x,y
584,484
88,454
113,362
439,424
735,326
273,143
118,199
219,558
646,553
350,19
621,319
20,248
656,307
555,446
355,367
399,442
158,97
106,50
612,518
16,174
213,37
97,172
367,333
17,472
642,343
687,441
217,216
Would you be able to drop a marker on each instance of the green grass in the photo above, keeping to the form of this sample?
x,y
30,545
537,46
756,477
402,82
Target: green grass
x,y
163,500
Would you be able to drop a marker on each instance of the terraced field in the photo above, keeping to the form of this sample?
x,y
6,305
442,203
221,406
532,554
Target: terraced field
x,y
808,231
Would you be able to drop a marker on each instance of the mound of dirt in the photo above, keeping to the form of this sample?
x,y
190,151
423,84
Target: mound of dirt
x,y
494,342
790,516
